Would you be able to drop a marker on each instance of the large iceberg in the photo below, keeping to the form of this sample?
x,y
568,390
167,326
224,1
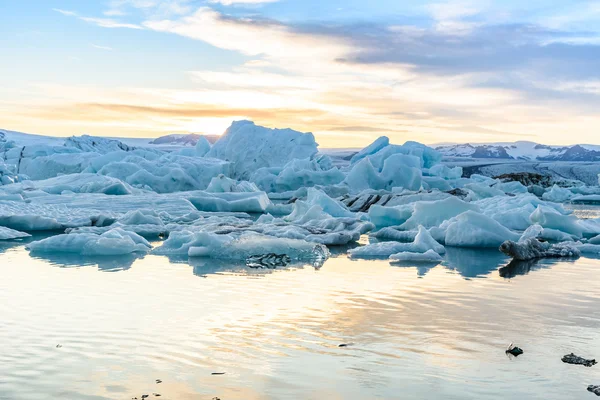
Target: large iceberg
x,y
250,147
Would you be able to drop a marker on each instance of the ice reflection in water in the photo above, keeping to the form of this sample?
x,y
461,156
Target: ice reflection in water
x,y
275,332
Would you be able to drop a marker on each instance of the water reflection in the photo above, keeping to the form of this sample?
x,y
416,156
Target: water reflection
x,y
422,267
523,267
473,263
104,263
203,267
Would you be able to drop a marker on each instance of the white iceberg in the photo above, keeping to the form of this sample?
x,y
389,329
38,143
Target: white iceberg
x,y
8,234
250,147
114,242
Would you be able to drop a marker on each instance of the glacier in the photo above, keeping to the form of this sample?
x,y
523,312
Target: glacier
x,y
263,195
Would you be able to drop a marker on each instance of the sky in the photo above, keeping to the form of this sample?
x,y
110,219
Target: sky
x,y
347,70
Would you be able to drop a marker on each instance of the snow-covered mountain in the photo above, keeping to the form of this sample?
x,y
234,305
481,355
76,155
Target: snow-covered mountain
x,y
523,150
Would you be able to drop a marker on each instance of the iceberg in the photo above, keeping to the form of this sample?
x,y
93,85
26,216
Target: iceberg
x,y
371,149
473,229
241,247
8,234
557,194
422,243
430,214
428,256
250,147
114,242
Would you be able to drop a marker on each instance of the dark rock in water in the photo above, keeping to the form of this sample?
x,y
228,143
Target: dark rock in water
x,y
514,350
532,248
58,346
594,389
573,359
218,373
158,381
270,261
156,394
145,396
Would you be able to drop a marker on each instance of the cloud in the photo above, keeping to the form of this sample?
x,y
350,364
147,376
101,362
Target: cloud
x,y
453,76
109,23
102,22
241,2
251,36
102,47
65,12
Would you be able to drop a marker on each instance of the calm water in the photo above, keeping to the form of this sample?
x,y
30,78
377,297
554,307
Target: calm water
x,y
417,333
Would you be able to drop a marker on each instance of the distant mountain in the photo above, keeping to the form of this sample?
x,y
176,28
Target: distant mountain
x,y
183,139
528,151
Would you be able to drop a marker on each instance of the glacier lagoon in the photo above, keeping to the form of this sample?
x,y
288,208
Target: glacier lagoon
x,y
262,267
76,327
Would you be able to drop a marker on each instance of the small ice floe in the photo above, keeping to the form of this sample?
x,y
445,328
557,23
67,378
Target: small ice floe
x,y
573,359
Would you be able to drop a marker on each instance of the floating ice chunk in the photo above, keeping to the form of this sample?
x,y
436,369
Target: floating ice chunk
x,y
434,182
141,217
371,149
482,179
480,191
513,187
364,176
445,172
514,212
8,174
390,216
536,231
400,170
390,233
594,240
433,213
202,146
7,234
298,174
472,229
428,256
251,202
588,248
204,244
74,183
423,242
222,184
250,147
96,144
111,243
557,194
329,205
550,218
429,156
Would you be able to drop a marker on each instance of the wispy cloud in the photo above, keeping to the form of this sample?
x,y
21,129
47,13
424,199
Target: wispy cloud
x,y
102,22
65,12
102,47
109,23
242,2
